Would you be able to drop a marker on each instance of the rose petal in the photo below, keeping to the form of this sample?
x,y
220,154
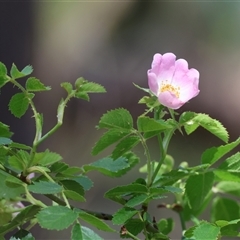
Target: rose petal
x,y
152,82
170,100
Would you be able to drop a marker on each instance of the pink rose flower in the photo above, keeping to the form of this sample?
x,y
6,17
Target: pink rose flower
x,y
171,81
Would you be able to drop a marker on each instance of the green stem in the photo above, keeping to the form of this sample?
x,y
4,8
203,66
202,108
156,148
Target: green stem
x,y
183,224
147,154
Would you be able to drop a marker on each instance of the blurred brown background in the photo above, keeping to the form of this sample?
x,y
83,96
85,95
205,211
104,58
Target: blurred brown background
x,y
113,43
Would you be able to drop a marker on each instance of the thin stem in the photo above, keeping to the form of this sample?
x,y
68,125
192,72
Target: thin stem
x,y
147,154
65,200
132,236
183,224
37,118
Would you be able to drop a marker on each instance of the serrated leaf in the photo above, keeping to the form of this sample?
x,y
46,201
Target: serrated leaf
x,y
3,69
108,138
134,226
71,171
111,167
19,103
228,187
5,141
43,187
22,235
118,118
46,158
5,131
67,86
56,217
136,200
122,215
88,234
20,160
91,87
146,124
7,192
15,73
224,209
85,182
35,85
3,74
27,70
79,82
73,186
227,176
231,164
213,154
82,95
20,146
125,145
94,221
74,196
197,188
207,231
58,167
76,232
28,213
125,189
191,121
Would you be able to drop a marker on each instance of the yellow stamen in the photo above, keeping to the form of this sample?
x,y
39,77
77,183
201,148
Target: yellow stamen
x,y
168,87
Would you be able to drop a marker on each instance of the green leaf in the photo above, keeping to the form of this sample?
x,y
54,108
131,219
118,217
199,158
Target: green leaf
x,y
85,182
5,131
76,232
136,200
230,228
5,141
20,160
108,138
67,86
74,196
58,167
82,95
35,85
207,231
231,164
191,121
123,215
19,103
213,154
20,146
146,124
3,74
88,234
232,188
46,158
166,225
79,82
27,70
73,186
7,192
134,226
125,189
224,209
56,217
118,118
23,235
125,145
71,171
91,87
111,167
28,213
227,176
3,69
15,73
197,188
94,221
43,187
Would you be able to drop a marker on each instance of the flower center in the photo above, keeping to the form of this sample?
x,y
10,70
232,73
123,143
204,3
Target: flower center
x,y
165,86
